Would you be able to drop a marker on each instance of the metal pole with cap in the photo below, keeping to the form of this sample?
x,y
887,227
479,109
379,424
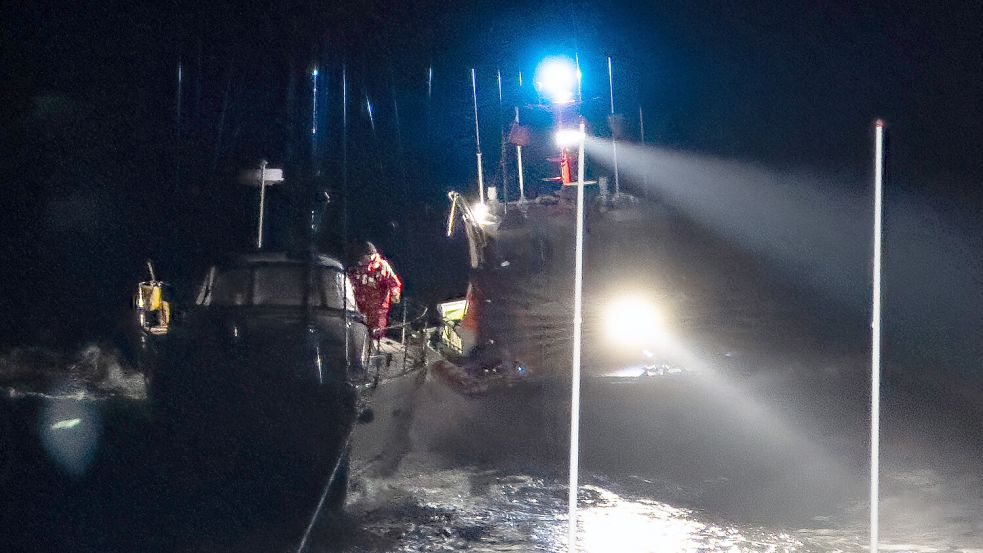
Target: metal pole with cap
x,y
262,203
875,359
264,177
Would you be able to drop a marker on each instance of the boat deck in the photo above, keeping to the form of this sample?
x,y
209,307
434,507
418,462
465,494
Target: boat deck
x,y
392,358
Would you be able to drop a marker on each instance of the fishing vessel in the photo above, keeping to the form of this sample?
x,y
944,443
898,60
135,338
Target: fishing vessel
x,y
515,324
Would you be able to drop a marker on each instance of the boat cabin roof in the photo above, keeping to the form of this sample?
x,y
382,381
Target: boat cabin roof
x,y
277,279
282,258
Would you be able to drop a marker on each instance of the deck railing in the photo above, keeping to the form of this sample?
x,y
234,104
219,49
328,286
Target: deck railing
x,y
411,331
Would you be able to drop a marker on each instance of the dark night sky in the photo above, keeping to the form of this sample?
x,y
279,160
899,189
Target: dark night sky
x,y
97,177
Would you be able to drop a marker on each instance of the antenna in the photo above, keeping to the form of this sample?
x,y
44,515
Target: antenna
x,y
518,157
614,139
314,152
503,169
477,136
262,177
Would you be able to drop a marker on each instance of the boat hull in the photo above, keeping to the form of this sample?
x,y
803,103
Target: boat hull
x,y
257,420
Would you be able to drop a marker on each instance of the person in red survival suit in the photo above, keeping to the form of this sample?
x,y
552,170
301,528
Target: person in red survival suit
x,y
376,288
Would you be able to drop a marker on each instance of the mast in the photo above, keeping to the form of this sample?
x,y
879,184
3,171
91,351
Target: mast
x,y
614,139
504,153
477,137
518,157
314,164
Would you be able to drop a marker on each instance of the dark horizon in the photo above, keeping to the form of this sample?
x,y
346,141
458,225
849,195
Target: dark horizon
x,y
105,175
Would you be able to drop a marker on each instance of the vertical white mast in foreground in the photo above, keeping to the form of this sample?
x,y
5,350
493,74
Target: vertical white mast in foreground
x,y
477,137
578,288
875,368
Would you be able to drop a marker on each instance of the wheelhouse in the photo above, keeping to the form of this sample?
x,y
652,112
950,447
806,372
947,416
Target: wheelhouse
x,y
276,280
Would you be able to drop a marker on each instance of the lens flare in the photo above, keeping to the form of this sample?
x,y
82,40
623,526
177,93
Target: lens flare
x,y
633,321
568,138
480,212
556,79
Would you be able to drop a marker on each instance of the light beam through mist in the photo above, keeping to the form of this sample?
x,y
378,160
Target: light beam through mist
x,y
809,226
815,229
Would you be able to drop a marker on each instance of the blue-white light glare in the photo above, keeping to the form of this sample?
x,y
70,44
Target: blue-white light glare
x,y
568,138
556,79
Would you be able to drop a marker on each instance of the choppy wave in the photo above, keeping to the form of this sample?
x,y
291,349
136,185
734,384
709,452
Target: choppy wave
x,y
93,372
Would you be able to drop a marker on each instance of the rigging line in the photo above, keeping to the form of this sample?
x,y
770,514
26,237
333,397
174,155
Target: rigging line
x,y
320,503
477,136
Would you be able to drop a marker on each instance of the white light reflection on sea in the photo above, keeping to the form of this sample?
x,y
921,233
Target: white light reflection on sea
x,y
490,512
645,526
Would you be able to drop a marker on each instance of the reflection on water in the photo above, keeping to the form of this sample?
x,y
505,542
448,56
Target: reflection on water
x,y
514,500
466,508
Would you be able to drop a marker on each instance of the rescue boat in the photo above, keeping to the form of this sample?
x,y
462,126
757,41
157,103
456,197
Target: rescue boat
x,y
269,382
268,375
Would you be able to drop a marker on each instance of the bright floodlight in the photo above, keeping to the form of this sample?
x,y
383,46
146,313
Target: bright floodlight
x,y
568,138
632,321
556,79
480,212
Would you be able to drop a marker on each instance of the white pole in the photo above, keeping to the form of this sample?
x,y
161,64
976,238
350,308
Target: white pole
x,y
580,94
477,137
875,365
314,102
262,203
450,218
500,90
578,289
315,163
641,133
501,128
518,157
614,142
402,332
